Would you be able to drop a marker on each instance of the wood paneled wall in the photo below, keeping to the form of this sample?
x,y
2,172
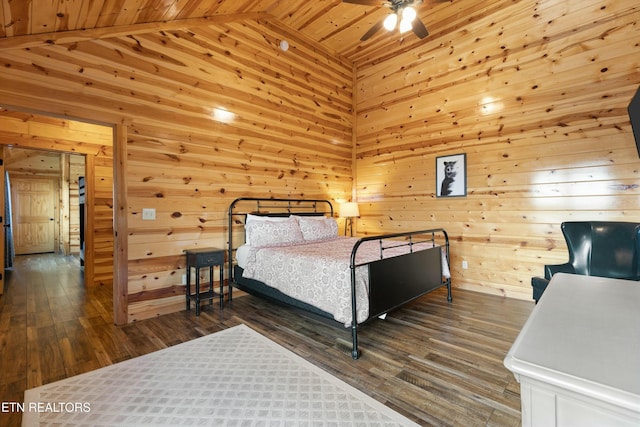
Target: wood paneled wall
x,y
535,93
236,117
285,130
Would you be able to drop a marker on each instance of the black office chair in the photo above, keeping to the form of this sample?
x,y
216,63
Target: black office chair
x,y
596,248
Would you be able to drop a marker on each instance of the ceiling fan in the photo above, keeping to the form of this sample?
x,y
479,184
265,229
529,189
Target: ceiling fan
x,y
402,11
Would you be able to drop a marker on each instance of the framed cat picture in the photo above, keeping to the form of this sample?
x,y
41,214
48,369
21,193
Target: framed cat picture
x,y
451,176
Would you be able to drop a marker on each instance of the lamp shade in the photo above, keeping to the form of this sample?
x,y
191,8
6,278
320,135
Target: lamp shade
x,y
349,210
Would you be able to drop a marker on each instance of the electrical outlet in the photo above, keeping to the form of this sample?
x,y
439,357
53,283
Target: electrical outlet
x,y
184,279
148,214
465,264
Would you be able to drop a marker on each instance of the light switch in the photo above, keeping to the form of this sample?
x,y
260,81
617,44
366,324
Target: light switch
x,y
148,213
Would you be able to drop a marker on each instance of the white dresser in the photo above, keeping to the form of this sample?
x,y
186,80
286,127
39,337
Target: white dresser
x,y
577,358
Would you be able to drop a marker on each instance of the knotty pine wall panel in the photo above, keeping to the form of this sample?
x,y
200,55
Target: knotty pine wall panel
x,y
287,131
535,94
290,137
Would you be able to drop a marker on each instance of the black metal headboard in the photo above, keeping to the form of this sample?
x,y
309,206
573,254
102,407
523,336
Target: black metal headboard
x,y
243,206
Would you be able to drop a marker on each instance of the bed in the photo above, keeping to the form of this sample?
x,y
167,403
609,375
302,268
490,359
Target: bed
x,y
289,250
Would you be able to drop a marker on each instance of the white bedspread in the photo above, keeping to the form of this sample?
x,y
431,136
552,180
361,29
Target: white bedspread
x,y
318,273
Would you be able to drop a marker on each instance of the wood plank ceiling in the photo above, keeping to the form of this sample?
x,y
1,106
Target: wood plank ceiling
x,y
337,25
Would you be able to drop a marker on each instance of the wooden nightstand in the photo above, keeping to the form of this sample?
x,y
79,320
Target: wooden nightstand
x,y
199,258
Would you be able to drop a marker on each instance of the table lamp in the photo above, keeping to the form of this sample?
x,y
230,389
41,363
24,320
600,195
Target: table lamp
x,y
348,211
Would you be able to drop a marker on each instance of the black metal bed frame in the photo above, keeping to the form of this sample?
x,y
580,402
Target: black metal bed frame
x,y
414,271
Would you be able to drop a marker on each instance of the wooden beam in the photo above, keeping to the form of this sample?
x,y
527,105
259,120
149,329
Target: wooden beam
x,y
43,143
22,42
65,206
89,223
121,252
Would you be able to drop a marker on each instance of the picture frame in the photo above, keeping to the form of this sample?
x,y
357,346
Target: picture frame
x,y
451,175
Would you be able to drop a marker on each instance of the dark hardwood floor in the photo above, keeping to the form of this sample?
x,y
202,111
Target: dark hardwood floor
x,y
437,363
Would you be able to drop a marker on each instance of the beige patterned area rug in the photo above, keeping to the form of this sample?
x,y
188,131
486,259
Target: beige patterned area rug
x,y
235,377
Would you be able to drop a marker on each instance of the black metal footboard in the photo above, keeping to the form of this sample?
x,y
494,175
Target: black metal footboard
x,y
396,280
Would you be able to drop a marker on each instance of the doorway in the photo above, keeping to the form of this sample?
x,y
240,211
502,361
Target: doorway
x,y
43,189
104,149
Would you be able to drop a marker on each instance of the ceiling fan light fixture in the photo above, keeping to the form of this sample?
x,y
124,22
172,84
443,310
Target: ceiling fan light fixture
x,y
408,15
403,12
391,21
405,26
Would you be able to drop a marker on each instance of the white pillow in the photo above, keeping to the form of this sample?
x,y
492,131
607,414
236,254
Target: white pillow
x,y
242,255
260,218
317,228
274,233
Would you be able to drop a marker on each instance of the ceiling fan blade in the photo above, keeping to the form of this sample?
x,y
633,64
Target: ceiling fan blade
x,y
364,2
372,30
419,28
